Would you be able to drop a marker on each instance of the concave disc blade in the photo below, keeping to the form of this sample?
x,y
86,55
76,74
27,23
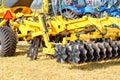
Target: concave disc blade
x,y
96,52
60,53
90,51
114,49
118,44
60,59
70,48
73,60
83,54
102,51
73,53
108,50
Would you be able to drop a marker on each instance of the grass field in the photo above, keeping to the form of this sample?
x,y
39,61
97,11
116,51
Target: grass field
x,y
46,68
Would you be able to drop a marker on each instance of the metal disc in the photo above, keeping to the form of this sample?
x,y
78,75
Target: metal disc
x,y
114,49
96,52
73,53
90,51
60,53
83,55
108,50
102,51
69,14
118,44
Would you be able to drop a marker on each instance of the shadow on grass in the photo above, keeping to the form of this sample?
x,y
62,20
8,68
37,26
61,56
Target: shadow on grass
x,y
20,53
46,56
23,47
95,65
21,50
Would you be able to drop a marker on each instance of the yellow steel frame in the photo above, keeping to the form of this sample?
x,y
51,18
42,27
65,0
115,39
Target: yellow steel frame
x,y
58,24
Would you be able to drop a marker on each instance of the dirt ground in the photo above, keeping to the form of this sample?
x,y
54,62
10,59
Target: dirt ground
x,y
46,68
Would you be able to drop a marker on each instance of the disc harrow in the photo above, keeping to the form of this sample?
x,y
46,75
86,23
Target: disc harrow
x,y
66,34
87,51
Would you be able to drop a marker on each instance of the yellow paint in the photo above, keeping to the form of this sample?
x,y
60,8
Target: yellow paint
x,y
32,26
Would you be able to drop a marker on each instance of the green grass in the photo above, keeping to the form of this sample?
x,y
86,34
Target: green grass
x,y
46,68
